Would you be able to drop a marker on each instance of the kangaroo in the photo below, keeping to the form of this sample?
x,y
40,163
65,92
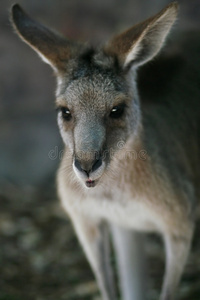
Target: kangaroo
x,y
131,160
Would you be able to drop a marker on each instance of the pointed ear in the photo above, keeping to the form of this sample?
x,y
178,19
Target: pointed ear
x,y
143,41
53,49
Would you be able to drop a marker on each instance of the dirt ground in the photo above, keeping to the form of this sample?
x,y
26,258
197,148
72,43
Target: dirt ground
x,y
41,259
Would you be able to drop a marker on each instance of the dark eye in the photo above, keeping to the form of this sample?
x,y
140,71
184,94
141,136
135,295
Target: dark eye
x,y
66,114
117,111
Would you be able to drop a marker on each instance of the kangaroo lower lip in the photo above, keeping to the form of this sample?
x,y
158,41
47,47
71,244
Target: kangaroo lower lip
x,y
90,183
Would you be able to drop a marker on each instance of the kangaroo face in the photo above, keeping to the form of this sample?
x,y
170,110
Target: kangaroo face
x,y
96,98
96,114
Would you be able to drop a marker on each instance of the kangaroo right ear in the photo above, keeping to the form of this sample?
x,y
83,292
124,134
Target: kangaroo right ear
x,y
143,41
53,49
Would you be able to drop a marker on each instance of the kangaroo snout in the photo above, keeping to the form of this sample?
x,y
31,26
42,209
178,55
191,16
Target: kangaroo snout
x,y
88,160
89,170
88,167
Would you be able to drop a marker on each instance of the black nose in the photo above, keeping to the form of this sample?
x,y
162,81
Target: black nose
x,y
88,166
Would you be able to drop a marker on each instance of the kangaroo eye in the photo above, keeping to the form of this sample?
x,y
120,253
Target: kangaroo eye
x,y
117,111
66,114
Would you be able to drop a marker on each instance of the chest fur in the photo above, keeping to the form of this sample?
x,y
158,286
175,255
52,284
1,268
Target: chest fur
x,y
136,213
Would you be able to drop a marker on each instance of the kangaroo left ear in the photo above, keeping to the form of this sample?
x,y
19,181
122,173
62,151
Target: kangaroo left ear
x,y
143,41
53,49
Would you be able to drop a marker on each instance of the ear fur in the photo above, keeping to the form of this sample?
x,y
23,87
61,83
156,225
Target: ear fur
x,y
133,47
143,41
53,49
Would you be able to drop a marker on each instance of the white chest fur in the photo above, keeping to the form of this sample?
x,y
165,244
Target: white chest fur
x,y
122,210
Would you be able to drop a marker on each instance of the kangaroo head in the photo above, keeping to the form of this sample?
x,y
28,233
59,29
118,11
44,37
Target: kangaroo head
x,y
98,105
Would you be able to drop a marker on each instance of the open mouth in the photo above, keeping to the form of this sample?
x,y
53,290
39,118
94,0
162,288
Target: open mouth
x,y
90,183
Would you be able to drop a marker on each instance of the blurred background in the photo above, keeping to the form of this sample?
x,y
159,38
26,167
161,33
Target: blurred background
x,y
39,255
